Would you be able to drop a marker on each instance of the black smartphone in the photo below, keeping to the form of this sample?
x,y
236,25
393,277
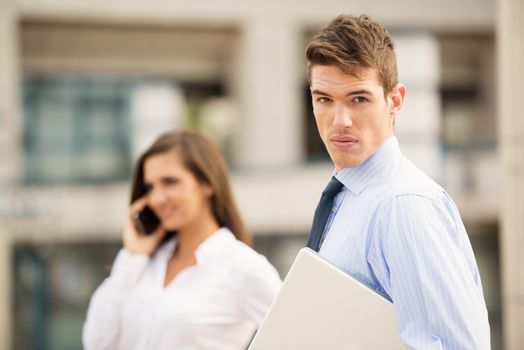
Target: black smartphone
x,y
146,221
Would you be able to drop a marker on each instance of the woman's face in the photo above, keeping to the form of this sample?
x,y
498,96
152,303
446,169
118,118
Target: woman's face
x,y
173,192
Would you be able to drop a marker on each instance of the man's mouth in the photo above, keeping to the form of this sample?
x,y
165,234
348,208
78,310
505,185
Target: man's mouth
x,y
343,141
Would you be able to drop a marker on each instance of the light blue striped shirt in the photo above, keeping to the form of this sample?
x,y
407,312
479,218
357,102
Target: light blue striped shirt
x,y
400,233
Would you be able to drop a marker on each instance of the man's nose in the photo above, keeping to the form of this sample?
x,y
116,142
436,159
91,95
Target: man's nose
x,y
342,117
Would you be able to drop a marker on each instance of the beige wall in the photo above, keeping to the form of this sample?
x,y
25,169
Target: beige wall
x,y
10,122
444,14
510,31
5,290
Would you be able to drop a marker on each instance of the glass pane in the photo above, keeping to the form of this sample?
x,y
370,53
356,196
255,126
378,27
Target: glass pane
x,y
76,129
53,284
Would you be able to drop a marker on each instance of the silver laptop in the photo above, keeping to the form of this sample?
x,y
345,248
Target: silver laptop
x,y
321,307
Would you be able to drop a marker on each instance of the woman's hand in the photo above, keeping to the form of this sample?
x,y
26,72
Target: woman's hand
x,y
134,242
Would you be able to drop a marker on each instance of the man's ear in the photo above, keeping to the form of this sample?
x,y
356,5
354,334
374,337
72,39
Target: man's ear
x,y
396,99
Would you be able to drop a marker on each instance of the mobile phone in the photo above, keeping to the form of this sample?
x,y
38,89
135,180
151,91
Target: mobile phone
x,y
146,221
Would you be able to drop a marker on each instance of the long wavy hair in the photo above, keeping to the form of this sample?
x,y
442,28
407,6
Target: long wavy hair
x,y
204,160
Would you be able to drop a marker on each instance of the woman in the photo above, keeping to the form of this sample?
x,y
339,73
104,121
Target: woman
x,y
193,282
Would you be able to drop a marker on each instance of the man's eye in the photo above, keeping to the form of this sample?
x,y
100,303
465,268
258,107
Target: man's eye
x,y
360,99
324,99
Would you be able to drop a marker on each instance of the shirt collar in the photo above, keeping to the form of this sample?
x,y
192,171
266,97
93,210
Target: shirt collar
x,y
213,245
208,249
376,167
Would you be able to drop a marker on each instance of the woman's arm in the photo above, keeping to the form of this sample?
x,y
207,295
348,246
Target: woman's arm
x,y
102,325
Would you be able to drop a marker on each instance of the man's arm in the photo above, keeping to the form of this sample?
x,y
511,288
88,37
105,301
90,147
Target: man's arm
x,y
422,257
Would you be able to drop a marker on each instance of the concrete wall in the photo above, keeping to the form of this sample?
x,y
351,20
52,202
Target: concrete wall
x,y
510,30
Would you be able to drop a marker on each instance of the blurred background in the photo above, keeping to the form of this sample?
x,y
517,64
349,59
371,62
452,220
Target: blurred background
x,y
85,86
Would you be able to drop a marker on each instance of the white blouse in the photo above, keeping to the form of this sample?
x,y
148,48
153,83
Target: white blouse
x,y
215,304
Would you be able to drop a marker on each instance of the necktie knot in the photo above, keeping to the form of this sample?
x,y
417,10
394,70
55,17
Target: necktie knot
x,y
333,187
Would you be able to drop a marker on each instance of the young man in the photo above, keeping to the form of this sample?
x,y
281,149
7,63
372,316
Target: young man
x,y
390,225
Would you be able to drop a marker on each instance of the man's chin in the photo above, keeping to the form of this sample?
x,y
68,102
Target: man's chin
x,y
345,159
347,163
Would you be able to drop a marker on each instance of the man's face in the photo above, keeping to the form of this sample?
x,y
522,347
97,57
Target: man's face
x,y
353,116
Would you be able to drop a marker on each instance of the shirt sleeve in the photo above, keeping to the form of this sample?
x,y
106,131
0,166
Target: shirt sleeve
x,y
261,284
422,257
102,326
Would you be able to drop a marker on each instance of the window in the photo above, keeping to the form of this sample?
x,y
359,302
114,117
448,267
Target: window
x,y
52,285
76,130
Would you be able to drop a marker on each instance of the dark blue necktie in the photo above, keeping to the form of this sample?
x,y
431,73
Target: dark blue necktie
x,y
322,213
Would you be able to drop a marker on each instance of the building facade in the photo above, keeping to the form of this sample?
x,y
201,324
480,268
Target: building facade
x,y
85,86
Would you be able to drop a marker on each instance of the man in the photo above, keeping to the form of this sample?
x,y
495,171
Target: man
x,y
390,225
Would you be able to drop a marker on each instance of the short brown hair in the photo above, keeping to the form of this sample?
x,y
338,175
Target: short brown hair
x,y
353,43
204,160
